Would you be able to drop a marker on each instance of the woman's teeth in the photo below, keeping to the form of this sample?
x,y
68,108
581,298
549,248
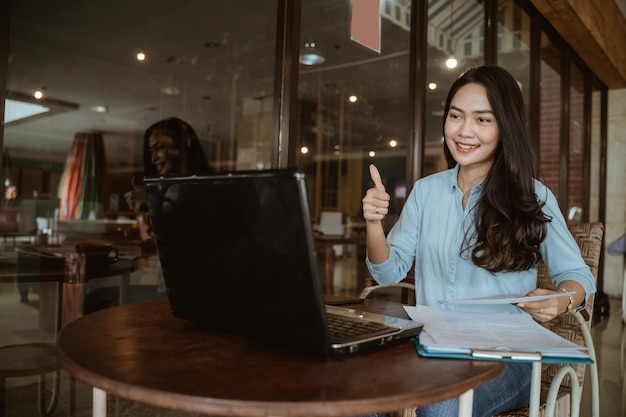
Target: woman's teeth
x,y
462,146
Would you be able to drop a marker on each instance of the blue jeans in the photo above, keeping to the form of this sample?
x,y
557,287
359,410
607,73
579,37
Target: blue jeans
x,y
509,391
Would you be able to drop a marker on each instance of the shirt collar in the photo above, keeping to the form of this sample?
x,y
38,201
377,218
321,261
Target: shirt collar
x,y
454,172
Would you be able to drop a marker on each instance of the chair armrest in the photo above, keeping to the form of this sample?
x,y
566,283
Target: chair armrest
x,y
367,290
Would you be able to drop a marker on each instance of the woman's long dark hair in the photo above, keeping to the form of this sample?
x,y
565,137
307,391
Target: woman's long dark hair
x,y
192,157
510,225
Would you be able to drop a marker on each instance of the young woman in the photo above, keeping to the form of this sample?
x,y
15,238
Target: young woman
x,y
480,228
170,146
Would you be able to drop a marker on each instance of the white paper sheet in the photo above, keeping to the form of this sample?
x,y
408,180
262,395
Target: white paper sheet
x,y
462,332
505,299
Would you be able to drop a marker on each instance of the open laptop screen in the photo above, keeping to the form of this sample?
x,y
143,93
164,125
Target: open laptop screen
x,y
237,253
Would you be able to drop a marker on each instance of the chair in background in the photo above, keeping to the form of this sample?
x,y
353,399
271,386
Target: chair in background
x,y
31,359
558,394
32,352
403,291
331,223
618,248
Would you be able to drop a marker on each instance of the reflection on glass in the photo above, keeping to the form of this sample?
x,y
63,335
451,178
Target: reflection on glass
x,y
204,62
353,106
594,186
575,204
514,44
455,30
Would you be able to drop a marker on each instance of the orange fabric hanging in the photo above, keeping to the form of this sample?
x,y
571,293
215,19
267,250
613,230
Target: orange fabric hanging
x,y
82,178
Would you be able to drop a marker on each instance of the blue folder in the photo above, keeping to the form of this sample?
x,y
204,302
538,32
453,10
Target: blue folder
x,y
495,355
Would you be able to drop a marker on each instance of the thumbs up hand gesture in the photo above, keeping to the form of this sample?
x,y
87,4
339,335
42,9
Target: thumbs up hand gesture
x,y
376,200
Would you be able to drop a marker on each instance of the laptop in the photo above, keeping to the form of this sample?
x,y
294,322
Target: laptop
x,y
237,252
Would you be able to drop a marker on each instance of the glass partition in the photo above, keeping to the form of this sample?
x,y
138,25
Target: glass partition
x,y
549,114
86,79
595,166
353,104
514,44
455,42
71,73
575,205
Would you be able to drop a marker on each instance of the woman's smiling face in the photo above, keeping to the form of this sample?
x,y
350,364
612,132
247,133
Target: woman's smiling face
x,y
164,154
471,129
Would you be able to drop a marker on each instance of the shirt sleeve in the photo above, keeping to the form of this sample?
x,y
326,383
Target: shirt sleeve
x,y
559,250
402,240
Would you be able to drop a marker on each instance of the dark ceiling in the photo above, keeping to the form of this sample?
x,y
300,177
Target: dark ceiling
x,y
205,59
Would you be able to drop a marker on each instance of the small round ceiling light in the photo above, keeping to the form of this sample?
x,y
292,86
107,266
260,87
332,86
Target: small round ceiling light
x,y
451,62
170,91
100,109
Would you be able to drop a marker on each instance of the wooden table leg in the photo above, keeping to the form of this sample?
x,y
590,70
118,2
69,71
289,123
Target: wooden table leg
x,y
73,300
363,277
326,267
124,283
329,270
2,393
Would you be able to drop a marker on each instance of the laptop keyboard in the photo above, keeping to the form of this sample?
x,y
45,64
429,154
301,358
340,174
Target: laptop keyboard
x,y
346,328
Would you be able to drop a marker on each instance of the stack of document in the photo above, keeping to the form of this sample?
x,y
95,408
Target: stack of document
x,y
490,336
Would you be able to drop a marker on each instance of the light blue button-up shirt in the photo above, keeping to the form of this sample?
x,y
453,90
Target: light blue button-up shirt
x,y
431,229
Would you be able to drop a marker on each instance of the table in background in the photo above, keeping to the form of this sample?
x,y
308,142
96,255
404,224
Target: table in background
x,y
326,258
47,263
142,353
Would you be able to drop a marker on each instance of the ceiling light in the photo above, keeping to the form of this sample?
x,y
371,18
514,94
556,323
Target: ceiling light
x,y
451,62
170,91
100,109
432,86
38,94
353,99
310,55
141,56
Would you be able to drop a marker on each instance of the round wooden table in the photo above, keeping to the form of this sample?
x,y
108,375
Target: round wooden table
x,y
142,353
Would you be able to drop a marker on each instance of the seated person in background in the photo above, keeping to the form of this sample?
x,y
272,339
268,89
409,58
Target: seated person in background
x,y
170,146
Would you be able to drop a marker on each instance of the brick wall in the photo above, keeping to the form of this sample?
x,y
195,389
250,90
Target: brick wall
x,y
549,136
549,130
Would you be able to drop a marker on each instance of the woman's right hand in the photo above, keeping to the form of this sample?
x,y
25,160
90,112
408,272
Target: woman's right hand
x,y
375,208
135,199
376,200
128,196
